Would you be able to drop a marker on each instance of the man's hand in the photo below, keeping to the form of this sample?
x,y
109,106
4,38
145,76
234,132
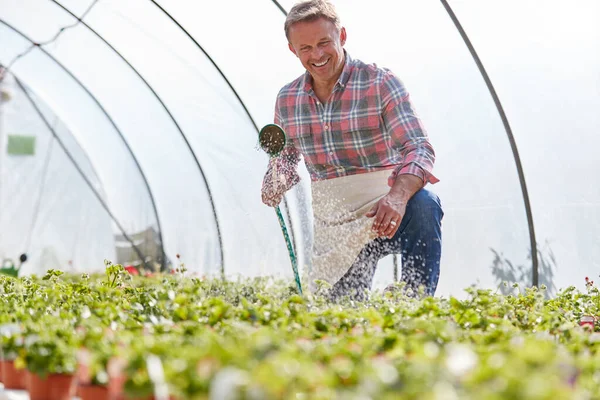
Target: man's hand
x,y
388,213
276,183
281,176
273,190
390,209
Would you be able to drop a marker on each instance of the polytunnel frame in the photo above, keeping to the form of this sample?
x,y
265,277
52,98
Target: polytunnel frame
x,y
112,122
72,159
511,139
236,94
482,70
80,21
172,117
507,128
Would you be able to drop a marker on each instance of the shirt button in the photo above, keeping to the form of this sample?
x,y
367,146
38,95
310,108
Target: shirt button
x,y
326,127
331,153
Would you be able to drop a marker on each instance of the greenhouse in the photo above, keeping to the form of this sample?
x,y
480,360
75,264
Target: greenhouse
x,y
129,137
130,133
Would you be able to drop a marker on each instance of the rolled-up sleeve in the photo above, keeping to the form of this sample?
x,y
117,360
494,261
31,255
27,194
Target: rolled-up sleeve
x,y
407,133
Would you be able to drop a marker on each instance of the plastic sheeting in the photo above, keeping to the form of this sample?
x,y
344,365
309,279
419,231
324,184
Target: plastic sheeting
x,y
47,210
185,107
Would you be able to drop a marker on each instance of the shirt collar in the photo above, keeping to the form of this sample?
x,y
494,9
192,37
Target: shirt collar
x,y
342,80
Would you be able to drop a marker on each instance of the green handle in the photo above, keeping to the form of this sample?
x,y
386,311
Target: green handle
x,y
290,248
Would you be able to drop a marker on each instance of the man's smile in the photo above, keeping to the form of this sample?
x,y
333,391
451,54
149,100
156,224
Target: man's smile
x,y
322,63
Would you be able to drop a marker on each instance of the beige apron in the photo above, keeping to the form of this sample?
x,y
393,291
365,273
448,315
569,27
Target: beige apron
x,y
341,229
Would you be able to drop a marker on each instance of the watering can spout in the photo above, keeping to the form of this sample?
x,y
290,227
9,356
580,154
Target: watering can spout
x,y
272,139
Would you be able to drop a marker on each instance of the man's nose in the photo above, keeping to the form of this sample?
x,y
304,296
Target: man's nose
x,y
317,53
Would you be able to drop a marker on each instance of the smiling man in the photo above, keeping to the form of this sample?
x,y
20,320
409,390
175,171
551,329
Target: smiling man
x,y
368,157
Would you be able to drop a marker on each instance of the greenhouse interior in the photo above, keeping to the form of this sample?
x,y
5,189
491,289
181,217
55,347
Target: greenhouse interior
x,y
129,133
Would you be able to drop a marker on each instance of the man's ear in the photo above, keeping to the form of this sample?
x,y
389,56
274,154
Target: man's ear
x,y
292,49
343,36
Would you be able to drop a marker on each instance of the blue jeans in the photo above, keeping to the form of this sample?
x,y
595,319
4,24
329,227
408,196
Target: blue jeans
x,y
418,241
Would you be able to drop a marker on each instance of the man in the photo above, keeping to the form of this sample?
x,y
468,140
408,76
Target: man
x,y
368,157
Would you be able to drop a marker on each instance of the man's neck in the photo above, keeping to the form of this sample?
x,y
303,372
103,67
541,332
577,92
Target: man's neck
x,y
323,90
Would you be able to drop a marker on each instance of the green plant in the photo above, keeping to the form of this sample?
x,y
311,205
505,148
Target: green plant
x,y
256,338
11,341
47,354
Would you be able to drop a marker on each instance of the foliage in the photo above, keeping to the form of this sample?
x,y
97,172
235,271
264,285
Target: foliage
x,y
258,339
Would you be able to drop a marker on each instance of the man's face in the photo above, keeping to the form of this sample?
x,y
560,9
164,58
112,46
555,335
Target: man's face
x,y
319,46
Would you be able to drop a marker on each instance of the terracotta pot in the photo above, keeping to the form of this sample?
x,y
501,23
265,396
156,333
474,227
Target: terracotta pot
x,y
115,387
12,378
92,392
53,387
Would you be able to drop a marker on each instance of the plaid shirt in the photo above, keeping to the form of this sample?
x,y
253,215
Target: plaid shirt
x,y
368,124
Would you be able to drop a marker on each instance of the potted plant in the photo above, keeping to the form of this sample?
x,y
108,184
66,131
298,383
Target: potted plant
x,y
51,363
11,343
99,347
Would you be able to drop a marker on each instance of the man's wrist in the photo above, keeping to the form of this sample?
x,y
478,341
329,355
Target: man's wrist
x,y
405,186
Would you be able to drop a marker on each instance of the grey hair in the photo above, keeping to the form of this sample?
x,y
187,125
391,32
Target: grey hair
x,y
311,10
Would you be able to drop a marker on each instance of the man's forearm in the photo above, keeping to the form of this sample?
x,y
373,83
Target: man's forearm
x,y
405,186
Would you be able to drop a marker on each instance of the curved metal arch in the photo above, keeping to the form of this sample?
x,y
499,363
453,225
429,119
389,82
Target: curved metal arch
x,y
212,203
211,61
109,119
287,209
77,167
511,139
280,7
